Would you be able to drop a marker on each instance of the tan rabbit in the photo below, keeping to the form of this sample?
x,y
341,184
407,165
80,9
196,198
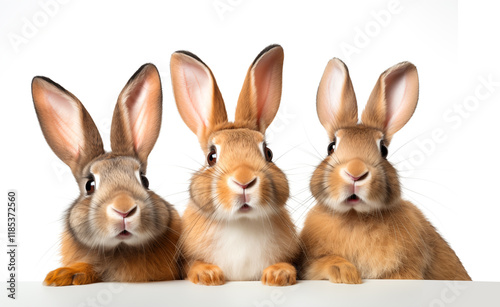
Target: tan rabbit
x,y
361,227
117,229
236,226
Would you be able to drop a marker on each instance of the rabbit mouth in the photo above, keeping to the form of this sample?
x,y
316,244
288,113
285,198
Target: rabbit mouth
x,y
245,208
124,235
353,199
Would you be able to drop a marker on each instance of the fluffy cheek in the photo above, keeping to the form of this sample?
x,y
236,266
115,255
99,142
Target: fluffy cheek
x,y
275,187
211,194
153,219
79,222
327,186
262,198
318,184
375,190
87,225
337,190
390,185
202,191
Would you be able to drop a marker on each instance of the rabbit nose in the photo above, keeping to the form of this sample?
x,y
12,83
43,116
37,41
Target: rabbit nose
x,y
128,213
247,185
244,177
356,170
357,178
124,205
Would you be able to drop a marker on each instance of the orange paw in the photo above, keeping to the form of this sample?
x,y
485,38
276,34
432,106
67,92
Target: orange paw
x,y
77,274
280,274
206,274
345,273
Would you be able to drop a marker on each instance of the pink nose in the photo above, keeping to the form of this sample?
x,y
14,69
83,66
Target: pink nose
x,y
357,178
247,185
128,213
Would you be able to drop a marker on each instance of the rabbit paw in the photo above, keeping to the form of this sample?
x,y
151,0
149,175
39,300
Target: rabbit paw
x,y
206,274
345,273
280,274
76,274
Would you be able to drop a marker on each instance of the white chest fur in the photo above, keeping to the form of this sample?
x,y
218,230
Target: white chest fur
x,y
244,248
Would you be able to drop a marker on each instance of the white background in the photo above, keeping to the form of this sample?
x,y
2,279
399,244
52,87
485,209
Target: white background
x,y
93,47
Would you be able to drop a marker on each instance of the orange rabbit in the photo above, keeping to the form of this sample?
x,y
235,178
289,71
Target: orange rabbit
x,y
236,226
360,226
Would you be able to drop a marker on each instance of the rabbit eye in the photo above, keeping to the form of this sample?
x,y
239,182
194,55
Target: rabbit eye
x,y
268,153
212,156
90,185
144,181
331,147
383,150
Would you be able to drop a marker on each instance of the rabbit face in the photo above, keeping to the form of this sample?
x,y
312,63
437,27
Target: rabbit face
x,y
115,206
240,180
355,175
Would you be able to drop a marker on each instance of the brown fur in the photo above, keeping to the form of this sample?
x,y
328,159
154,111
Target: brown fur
x,y
92,247
241,159
155,261
393,244
380,235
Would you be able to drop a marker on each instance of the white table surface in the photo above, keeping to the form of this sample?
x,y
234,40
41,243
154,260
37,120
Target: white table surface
x,y
304,294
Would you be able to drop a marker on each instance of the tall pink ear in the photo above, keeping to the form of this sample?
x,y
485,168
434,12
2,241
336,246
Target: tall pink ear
x,y
137,117
197,95
260,96
336,102
393,100
66,124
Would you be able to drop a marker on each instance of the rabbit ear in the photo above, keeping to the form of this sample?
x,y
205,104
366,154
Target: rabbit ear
x,y
197,95
260,96
66,124
336,102
393,100
137,117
